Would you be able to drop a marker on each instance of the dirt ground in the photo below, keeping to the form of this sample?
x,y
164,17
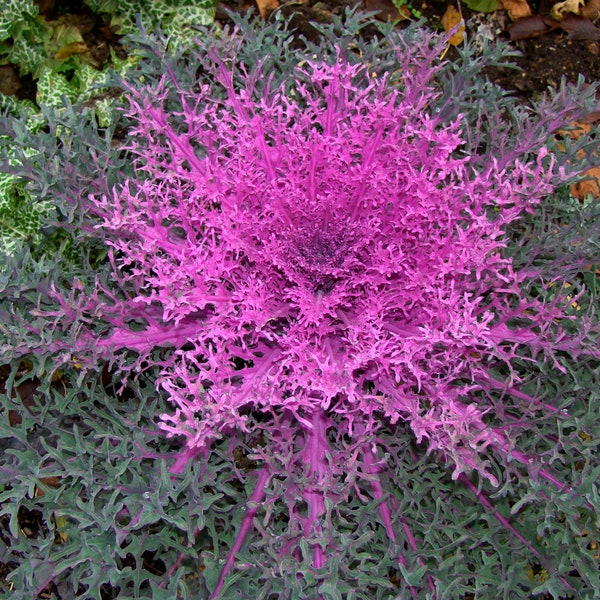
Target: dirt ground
x,y
545,59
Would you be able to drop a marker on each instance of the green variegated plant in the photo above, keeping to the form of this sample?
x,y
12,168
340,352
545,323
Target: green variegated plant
x,y
22,35
20,217
181,20
55,55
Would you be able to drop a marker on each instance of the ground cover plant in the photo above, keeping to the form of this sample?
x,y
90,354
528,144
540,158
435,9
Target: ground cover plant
x,y
332,332
179,20
49,54
53,53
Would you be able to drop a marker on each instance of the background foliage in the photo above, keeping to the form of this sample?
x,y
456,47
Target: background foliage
x,y
53,52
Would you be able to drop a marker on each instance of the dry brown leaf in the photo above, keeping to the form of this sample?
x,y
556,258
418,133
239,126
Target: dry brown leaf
x,y
266,7
591,10
590,185
530,27
452,19
516,9
51,481
592,117
579,28
575,130
45,6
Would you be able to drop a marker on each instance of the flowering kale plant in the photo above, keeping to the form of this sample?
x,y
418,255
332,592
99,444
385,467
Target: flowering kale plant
x,y
340,273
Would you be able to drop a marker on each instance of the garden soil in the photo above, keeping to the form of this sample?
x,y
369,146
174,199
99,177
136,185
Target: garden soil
x,y
544,61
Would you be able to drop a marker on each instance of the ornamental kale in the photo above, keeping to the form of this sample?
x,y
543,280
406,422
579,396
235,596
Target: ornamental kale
x,y
328,257
317,263
327,253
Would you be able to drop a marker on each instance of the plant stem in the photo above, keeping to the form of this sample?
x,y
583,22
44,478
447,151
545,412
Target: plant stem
x,y
258,495
315,456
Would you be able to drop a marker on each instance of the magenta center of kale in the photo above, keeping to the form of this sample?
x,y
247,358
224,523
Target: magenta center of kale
x,y
317,255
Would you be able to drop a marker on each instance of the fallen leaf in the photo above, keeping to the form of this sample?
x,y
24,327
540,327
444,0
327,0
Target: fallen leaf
x,y
561,9
109,34
51,481
71,49
576,129
592,117
453,21
589,184
529,27
516,9
266,7
591,10
579,28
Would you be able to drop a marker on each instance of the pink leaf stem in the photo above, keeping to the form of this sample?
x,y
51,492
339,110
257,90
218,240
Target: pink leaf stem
x,y
252,507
